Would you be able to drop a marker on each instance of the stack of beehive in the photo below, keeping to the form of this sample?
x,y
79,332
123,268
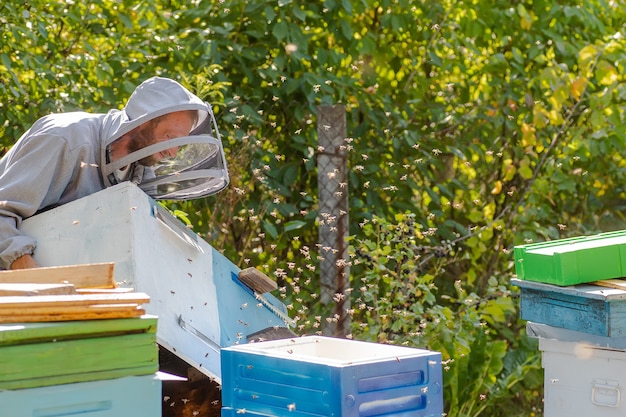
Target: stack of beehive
x,y
573,297
71,342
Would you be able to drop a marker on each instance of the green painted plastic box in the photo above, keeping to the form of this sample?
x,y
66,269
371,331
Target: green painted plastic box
x,y
573,261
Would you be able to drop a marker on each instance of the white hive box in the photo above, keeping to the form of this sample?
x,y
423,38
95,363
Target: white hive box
x,y
194,290
322,376
582,380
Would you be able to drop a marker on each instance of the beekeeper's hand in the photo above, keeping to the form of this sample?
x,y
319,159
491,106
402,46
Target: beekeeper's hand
x,y
24,262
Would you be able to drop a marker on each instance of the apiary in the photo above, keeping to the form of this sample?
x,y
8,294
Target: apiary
x,y
323,376
194,290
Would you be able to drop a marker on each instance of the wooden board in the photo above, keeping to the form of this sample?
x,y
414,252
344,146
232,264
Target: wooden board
x,y
73,314
25,333
27,365
256,280
97,275
104,290
30,289
44,308
72,300
618,283
78,377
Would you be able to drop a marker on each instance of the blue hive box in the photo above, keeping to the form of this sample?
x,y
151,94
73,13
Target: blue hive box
x,y
323,376
584,308
124,397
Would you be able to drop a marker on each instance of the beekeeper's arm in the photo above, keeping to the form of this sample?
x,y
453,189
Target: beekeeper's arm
x,y
33,175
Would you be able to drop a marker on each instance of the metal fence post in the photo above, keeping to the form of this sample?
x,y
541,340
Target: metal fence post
x,y
332,180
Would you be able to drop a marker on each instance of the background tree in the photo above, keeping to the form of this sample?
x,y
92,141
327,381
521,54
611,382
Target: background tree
x,y
474,126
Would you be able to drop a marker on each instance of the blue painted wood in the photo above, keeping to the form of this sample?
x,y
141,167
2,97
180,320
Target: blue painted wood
x,y
124,397
584,308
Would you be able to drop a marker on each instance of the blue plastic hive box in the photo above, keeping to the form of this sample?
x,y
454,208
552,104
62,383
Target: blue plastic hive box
x,y
323,376
584,308
124,397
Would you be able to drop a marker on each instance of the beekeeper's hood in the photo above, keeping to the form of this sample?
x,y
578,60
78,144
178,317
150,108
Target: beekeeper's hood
x,y
199,167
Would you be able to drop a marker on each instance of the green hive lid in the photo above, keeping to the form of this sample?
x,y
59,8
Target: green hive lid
x,y
577,245
573,261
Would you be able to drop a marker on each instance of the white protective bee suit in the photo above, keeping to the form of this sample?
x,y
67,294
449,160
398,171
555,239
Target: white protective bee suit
x,y
64,157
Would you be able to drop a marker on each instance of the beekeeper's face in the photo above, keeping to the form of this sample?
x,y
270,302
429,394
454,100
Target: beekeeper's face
x,y
169,126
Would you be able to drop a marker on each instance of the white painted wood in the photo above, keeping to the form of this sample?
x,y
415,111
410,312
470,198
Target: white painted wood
x,y
155,254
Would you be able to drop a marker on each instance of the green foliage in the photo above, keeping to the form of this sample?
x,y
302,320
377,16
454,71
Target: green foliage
x,y
493,123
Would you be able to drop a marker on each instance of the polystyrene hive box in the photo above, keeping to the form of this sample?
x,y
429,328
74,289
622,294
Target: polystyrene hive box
x,y
574,260
581,380
124,397
324,376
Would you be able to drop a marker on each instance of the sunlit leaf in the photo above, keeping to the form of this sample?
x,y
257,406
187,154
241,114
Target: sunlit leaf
x,y
587,55
606,73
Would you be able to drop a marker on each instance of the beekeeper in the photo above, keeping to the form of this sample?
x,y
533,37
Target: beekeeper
x,y
165,140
